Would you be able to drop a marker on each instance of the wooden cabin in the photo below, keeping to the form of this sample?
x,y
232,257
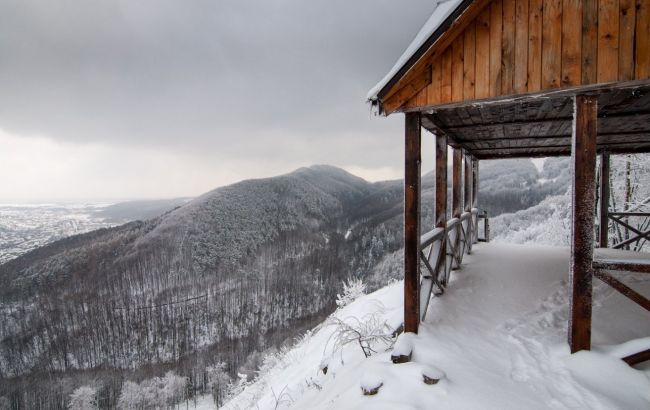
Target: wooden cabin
x,y
520,78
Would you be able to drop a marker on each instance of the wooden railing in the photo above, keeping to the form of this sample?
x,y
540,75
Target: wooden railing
x,y
441,250
640,233
604,266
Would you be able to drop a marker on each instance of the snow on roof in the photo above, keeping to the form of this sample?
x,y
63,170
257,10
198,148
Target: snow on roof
x,y
443,9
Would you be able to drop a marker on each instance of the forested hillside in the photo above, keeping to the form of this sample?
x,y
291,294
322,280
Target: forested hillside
x,y
217,280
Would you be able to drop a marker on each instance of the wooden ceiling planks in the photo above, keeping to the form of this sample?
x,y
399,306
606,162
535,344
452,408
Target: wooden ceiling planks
x,y
542,124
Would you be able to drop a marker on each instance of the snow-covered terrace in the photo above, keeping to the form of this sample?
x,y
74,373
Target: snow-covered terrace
x,y
498,335
496,79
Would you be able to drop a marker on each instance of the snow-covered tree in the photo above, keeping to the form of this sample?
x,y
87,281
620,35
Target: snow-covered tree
x,y
172,388
218,381
83,398
130,397
353,288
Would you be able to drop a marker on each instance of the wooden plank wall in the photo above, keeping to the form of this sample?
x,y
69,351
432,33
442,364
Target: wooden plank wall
x,y
519,46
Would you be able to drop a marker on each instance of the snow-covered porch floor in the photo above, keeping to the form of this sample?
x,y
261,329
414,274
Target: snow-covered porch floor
x,y
499,334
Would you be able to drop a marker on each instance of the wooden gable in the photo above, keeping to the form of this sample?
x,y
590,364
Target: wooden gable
x,y
498,48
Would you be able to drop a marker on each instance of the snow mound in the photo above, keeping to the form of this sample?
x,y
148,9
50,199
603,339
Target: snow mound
x,y
499,333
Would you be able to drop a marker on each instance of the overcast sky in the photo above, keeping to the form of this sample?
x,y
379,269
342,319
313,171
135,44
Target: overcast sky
x,y
108,100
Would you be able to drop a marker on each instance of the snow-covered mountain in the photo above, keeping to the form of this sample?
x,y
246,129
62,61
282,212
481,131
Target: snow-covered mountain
x,y
219,279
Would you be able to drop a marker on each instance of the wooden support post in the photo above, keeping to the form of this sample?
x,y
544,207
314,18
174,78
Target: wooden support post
x,y
468,187
456,183
604,201
475,183
475,197
456,203
441,200
583,156
412,222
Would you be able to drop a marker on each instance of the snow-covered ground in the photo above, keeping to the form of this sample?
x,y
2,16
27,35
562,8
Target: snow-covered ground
x,y
499,335
28,226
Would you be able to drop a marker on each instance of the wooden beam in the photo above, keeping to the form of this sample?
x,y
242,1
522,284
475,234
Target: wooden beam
x,y
555,150
637,357
641,116
441,181
583,155
467,196
603,138
412,186
401,96
441,202
623,266
456,183
625,290
604,201
475,183
469,145
640,85
529,155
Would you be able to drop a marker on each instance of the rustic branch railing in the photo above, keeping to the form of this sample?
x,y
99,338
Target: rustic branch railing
x,y
626,261
641,233
456,240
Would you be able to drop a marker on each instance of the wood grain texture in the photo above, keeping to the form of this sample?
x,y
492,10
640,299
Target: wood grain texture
x,y
536,8
508,47
445,85
583,158
589,41
412,187
551,44
433,92
520,80
608,26
467,185
456,183
469,61
627,26
482,89
625,290
475,183
440,45
642,63
571,42
496,27
604,201
409,91
457,82
526,46
441,181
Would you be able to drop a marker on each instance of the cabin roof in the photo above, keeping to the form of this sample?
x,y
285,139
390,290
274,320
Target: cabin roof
x,y
499,77
445,12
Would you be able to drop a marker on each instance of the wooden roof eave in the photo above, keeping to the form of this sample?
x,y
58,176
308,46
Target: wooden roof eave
x,y
414,75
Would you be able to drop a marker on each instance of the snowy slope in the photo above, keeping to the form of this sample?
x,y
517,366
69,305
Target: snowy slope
x,y
499,335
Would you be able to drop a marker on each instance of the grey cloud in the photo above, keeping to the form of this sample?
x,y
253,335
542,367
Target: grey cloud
x,y
276,77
